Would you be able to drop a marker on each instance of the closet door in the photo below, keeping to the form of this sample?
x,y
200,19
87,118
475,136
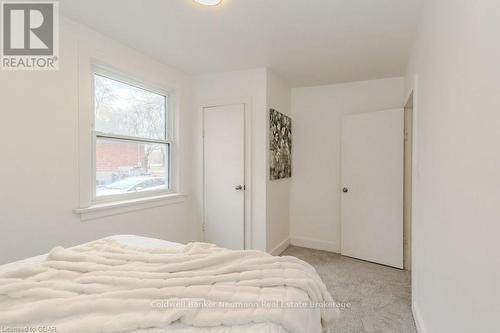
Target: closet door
x,y
224,175
372,187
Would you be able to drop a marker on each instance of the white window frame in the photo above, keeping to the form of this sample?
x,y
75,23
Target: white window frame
x,y
133,82
130,67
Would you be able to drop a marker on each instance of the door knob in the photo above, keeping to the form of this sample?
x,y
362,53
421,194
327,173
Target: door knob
x,y
345,190
238,187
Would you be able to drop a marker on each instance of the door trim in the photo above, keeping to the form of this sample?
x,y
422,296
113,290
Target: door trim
x,y
248,193
414,89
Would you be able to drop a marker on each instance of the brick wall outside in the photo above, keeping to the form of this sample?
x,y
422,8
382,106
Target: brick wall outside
x,y
112,154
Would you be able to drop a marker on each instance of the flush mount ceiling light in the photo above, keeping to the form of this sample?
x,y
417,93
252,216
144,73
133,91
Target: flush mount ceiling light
x,y
209,2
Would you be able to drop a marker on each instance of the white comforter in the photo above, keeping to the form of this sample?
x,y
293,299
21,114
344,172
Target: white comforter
x,y
105,286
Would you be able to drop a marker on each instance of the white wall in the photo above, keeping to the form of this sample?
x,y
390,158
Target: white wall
x,y
39,157
233,87
278,191
315,186
456,227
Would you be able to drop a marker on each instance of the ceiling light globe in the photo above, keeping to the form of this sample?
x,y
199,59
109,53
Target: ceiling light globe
x,y
209,2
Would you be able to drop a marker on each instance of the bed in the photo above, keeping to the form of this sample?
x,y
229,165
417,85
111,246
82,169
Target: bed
x,y
129,283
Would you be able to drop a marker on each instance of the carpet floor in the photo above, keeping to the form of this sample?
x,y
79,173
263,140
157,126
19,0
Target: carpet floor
x,y
376,298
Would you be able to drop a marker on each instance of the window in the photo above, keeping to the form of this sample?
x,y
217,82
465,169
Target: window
x,y
131,139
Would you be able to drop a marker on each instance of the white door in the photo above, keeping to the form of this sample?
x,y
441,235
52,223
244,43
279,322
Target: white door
x,y
372,187
224,175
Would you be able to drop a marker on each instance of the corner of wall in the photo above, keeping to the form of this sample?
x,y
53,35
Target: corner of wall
x,y
278,96
280,248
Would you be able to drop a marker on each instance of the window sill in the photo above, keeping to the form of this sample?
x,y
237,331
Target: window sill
x,y
120,207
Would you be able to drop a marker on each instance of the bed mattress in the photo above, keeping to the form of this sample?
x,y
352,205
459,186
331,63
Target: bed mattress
x,y
311,325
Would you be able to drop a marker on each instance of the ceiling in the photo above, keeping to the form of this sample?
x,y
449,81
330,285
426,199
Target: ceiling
x,y
307,42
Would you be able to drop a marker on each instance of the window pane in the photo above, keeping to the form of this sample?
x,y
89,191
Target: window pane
x,y
130,167
127,110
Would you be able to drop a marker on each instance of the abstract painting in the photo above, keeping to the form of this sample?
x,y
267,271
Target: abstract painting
x,y
280,145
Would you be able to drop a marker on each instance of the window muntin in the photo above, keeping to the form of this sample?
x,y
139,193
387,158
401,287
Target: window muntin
x,y
131,140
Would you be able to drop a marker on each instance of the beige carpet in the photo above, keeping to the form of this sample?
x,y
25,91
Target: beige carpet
x,y
378,296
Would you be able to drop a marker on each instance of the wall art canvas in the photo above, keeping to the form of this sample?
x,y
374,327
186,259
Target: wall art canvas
x,y
280,145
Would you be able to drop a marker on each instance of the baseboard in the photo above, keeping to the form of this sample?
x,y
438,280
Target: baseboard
x,y
280,247
315,244
417,316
